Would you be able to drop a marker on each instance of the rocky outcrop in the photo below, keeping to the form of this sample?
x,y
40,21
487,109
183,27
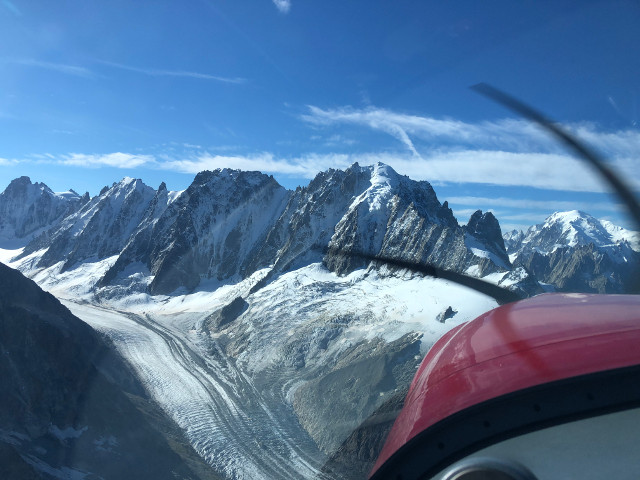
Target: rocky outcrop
x,y
226,314
356,456
228,224
585,268
399,218
303,231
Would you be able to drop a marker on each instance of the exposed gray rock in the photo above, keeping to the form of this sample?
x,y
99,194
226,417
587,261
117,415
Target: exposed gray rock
x,y
308,222
213,228
575,252
585,268
446,314
356,456
485,228
400,218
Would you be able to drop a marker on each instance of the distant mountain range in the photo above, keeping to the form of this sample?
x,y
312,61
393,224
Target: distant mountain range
x,y
263,286
228,224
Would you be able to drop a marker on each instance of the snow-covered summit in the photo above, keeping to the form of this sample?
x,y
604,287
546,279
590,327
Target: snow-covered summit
x,y
574,228
574,251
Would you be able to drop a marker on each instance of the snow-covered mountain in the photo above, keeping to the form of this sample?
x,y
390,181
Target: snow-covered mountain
x,y
239,294
98,230
570,229
27,208
229,224
574,251
210,230
262,275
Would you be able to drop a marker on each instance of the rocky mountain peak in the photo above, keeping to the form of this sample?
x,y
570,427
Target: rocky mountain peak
x,y
22,187
485,226
26,208
18,184
571,229
100,228
575,251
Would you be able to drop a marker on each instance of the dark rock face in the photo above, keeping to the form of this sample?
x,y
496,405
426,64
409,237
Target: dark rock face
x,y
26,207
67,402
308,222
213,228
228,224
140,242
585,268
208,231
227,314
446,314
400,218
485,228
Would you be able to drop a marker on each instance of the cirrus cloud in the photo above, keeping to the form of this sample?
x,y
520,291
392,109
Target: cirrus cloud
x,y
514,135
174,73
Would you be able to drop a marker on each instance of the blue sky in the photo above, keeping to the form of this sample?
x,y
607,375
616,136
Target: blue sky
x,y
94,91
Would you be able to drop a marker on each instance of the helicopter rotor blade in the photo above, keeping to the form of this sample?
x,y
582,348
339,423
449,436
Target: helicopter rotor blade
x,y
501,294
590,156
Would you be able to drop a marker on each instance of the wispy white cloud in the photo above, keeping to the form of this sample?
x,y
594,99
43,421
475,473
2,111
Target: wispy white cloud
x,y
518,136
377,119
535,205
548,171
175,73
494,167
283,5
117,160
57,67
537,170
